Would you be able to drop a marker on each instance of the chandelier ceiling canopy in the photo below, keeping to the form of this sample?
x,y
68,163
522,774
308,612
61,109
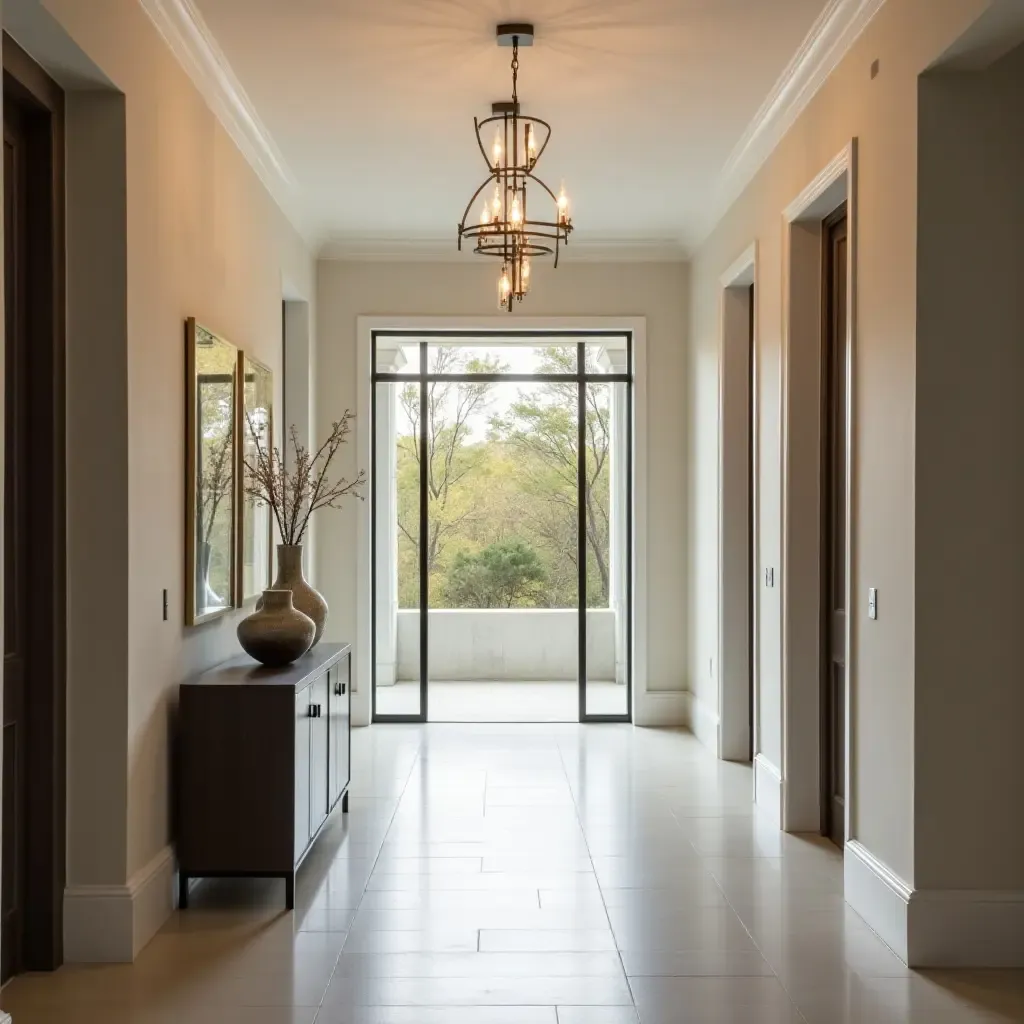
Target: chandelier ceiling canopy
x,y
505,228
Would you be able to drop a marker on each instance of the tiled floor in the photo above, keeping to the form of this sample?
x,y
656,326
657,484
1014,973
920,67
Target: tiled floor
x,y
530,875
502,701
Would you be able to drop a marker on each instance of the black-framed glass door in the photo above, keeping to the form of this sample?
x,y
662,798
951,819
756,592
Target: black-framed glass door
x,y
502,496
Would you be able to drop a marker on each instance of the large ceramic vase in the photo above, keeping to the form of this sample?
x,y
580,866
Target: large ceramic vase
x,y
277,633
304,597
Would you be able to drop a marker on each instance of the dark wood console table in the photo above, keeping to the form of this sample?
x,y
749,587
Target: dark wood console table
x,y
263,759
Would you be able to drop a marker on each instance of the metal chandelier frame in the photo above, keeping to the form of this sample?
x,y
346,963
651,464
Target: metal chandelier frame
x,y
514,239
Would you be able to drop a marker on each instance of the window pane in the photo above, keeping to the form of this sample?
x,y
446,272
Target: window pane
x,y
606,492
608,355
396,489
501,355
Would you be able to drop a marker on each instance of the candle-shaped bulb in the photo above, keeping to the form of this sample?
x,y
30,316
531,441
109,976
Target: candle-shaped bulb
x,y
496,149
563,206
516,213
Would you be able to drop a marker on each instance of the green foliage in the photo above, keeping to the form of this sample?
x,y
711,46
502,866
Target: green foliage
x,y
514,489
502,575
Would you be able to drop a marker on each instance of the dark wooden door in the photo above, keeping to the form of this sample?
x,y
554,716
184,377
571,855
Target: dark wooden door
x,y
35,592
16,538
836,368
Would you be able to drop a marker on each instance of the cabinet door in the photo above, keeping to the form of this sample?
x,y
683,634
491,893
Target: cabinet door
x,y
340,697
319,727
303,720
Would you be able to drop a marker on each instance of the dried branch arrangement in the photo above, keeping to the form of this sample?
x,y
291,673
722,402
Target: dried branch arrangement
x,y
294,495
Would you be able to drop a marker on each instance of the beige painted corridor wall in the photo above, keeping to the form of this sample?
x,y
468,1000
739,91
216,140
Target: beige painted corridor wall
x,y
204,239
905,36
657,291
970,482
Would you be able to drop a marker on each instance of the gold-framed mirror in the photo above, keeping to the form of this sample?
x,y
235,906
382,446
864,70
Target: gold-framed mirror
x,y
256,527
212,454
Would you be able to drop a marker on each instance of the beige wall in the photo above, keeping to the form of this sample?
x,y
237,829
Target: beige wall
x,y
905,36
203,239
969,517
657,291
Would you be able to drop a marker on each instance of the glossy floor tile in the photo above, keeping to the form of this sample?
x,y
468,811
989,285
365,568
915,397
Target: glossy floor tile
x,y
530,874
469,701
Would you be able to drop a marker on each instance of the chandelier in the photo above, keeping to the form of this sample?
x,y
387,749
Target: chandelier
x,y
505,229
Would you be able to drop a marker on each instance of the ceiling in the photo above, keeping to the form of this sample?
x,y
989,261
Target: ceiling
x,y
370,104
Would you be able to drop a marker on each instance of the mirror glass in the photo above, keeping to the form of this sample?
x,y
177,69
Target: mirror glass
x,y
257,432
210,572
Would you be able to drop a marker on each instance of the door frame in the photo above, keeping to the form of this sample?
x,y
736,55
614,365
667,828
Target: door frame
x,y
737,654
800,775
648,708
46,714
578,339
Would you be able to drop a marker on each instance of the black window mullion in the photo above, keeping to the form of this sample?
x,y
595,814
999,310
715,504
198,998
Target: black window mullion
x,y
581,511
425,454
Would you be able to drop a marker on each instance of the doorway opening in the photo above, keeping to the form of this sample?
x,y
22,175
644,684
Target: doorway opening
x,y
35,591
835,368
501,526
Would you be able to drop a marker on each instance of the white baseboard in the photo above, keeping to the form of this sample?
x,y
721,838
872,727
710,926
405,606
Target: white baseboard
x,y
661,708
112,923
704,723
878,894
768,788
935,927
966,928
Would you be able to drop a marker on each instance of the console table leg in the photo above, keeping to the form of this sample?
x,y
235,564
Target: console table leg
x,y
344,803
182,891
289,891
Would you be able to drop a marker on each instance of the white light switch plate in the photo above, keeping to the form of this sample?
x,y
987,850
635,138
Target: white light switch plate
x,y
872,603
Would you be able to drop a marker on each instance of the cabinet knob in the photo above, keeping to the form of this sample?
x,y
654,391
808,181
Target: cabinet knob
x,y
339,689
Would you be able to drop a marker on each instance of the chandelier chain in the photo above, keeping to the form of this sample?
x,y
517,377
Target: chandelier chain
x,y
515,66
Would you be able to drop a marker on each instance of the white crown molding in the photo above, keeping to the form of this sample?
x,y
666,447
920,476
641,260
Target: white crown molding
x,y
445,250
832,35
193,44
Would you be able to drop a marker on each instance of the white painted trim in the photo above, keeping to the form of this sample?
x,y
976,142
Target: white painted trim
x,y
445,250
662,709
878,894
668,707
966,928
198,52
705,724
801,747
935,927
768,788
736,634
112,923
831,37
